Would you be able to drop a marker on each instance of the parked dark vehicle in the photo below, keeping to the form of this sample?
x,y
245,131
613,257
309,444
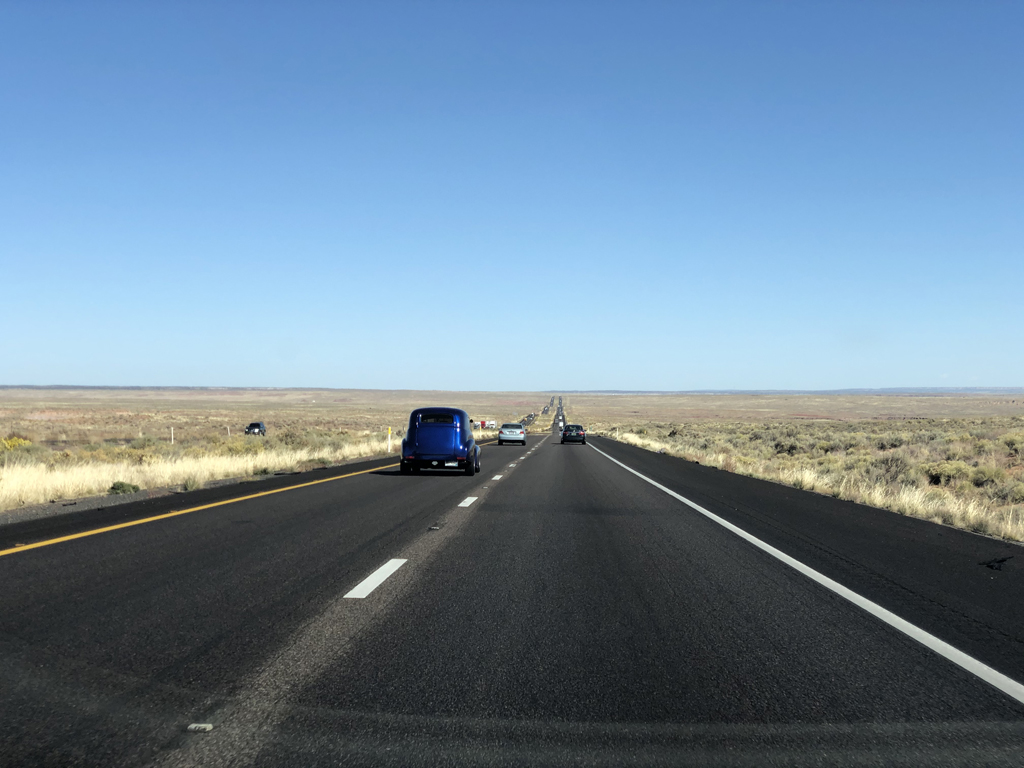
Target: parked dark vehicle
x,y
440,438
574,433
257,428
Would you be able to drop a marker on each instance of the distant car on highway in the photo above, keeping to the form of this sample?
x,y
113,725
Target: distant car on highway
x,y
512,433
574,433
440,438
257,428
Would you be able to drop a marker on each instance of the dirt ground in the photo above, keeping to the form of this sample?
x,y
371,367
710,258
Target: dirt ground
x,y
66,417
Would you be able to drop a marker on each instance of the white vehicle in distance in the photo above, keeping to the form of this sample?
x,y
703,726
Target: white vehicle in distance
x,y
512,433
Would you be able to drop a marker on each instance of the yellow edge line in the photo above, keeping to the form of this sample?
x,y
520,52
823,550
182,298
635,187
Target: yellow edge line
x,y
95,531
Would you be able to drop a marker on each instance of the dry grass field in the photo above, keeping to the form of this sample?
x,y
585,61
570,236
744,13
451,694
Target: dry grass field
x,y
954,459
69,443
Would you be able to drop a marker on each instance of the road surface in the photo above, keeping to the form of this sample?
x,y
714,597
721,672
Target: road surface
x,y
563,607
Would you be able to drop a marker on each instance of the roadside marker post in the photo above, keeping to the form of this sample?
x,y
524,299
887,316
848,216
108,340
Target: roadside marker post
x,y
389,439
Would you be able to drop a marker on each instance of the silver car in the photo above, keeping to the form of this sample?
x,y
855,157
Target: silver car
x,y
512,433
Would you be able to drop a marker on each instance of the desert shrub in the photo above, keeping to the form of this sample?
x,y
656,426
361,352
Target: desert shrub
x,y
953,453
887,442
945,472
1014,443
291,438
23,452
13,443
120,488
984,448
60,459
1011,492
140,457
986,475
787,447
192,483
243,447
893,467
855,440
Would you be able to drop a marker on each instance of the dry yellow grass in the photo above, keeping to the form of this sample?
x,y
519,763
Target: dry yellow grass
x,y
37,483
953,459
78,442
858,474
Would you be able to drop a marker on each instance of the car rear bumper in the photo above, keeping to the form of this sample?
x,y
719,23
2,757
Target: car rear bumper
x,y
434,461
574,439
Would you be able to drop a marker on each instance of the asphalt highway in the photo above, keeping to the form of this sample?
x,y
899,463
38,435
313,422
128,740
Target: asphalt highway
x,y
563,607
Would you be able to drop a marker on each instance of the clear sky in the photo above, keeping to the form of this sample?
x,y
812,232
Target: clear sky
x,y
513,196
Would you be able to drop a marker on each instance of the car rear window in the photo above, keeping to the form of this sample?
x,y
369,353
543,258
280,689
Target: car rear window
x,y
511,426
437,418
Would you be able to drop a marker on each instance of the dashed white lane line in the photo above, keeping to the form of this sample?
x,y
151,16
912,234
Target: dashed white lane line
x,y
467,501
997,680
521,458
376,578
496,477
512,464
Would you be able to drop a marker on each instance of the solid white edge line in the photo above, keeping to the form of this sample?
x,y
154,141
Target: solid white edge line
x,y
375,579
468,500
998,680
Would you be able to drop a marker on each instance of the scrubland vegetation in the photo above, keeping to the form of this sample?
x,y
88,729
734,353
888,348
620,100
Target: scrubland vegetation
x,y
951,459
965,472
32,474
66,444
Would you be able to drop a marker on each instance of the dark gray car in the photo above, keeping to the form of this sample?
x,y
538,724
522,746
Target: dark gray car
x,y
574,433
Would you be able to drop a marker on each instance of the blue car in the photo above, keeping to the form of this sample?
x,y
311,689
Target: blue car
x,y
440,438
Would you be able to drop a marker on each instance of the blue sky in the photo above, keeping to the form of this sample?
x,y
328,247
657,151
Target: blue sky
x,y
518,196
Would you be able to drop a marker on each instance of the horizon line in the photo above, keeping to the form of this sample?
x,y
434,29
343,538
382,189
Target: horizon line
x,y
834,391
